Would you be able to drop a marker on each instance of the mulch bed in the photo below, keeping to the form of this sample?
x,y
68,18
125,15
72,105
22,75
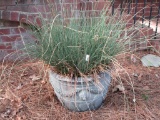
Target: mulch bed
x,y
26,94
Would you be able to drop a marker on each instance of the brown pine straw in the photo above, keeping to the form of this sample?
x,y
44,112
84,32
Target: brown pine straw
x,y
35,100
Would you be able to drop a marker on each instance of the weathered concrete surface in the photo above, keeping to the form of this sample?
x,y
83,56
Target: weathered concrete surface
x,y
151,60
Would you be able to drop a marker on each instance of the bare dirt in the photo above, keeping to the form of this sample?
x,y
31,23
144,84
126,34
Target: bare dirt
x,y
26,94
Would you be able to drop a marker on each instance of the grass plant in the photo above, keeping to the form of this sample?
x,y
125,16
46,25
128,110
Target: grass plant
x,y
66,45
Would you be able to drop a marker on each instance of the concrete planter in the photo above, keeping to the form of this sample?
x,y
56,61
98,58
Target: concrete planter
x,y
81,94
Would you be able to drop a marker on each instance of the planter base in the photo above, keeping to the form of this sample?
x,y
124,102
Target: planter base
x,y
81,94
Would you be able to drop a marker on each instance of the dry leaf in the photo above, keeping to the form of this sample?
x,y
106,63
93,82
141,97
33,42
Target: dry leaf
x,y
19,86
18,118
8,111
43,82
134,100
1,90
157,75
118,88
34,77
135,74
24,74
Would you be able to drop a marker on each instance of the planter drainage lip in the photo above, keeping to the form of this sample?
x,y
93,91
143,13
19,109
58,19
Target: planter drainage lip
x,y
79,79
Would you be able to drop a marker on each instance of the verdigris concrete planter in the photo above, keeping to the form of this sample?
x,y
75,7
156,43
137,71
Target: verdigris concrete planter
x,y
81,94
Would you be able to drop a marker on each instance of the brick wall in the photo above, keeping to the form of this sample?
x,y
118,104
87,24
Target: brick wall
x,y
16,12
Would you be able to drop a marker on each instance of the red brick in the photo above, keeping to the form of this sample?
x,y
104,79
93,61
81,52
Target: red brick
x,y
87,5
14,16
77,6
3,7
100,5
23,17
155,44
57,7
4,31
36,1
50,1
72,6
38,8
10,38
47,15
17,30
24,2
66,7
138,5
31,18
10,51
128,19
7,46
128,25
6,15
2,46
10,24
69,1
7,2
146,32
38,21
23,8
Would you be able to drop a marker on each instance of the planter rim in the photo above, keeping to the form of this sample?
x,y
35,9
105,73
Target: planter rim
x,y
78,80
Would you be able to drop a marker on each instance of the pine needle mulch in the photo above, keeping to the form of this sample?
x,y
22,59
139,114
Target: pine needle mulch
x,y
26,94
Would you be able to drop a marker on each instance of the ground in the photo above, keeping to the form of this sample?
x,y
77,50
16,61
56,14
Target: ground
x,y
26,94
